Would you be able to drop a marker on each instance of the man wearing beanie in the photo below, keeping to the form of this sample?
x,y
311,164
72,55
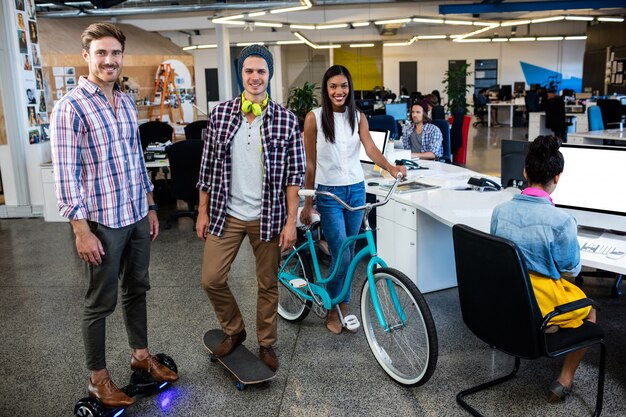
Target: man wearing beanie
x,y
252,168
423,138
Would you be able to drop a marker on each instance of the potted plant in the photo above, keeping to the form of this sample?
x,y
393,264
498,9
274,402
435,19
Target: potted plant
x,y
456,87
302,100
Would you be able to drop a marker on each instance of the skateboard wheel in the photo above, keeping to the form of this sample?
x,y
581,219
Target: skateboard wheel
x,y
212,358
240,386
89,407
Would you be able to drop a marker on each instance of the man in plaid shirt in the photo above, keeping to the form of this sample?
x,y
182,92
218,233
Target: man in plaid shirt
x,y
252,168
104,190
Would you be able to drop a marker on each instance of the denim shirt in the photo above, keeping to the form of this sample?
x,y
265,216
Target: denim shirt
x,y
545,235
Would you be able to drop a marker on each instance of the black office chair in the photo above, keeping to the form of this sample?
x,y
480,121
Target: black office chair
x,y
366,106
531,102
438,113
555,117
384,122
194,130
154,131
185,157
480,112
611,111
498,305
444,126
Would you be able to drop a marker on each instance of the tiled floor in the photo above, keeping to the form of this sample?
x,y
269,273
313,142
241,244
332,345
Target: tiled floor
x,y
42,369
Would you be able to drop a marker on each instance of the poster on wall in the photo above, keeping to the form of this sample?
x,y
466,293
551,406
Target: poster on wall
x,y
36,59
70,71
27,65
19,5
20,21
32,26
33,136
30,96
22,43
32,116
30,8
42,102
70,81
39,78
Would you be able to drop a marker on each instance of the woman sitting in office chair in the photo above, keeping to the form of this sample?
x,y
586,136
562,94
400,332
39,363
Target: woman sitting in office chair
x,y
333,135
421,137
547,239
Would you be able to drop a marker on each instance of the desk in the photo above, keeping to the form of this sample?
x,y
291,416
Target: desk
x,y
415,229
510,104
537,124
596,137
158,164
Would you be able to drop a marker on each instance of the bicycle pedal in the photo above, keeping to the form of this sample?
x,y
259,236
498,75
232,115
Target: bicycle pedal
x,y
298,283
350,322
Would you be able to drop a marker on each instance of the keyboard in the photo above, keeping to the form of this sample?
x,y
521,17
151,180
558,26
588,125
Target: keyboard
x,y
596,248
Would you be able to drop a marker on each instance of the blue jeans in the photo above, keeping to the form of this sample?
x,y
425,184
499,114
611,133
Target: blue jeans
x,y
337,224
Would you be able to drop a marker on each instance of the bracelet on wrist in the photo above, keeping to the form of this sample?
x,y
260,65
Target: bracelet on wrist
x,y
153,207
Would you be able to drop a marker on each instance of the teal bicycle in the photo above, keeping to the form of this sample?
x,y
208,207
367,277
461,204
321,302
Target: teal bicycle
x,y
396,319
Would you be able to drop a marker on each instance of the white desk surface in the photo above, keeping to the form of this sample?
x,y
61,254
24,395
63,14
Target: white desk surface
x,y
451,206
610,134
158,163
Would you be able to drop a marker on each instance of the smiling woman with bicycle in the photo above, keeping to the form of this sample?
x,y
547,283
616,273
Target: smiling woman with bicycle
x,y
333,135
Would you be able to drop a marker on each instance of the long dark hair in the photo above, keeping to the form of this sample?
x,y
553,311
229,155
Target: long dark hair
x,y
544,161
328,118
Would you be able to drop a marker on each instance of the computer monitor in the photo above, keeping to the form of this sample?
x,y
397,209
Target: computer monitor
x,y
512,159
399,111
380,138
519,87
505,93
591,186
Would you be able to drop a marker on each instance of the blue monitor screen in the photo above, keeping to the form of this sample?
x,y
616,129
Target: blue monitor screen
x,y
397,110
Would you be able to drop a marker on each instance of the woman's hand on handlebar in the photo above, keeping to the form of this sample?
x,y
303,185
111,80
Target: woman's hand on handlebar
x,y
395,170
305,214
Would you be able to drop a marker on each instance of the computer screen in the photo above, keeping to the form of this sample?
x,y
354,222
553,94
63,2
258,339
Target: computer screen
x,y
397,110
519,87
591,186
505,93
380,138
512,159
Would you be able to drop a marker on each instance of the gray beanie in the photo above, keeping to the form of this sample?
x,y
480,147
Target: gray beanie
x,y
258,50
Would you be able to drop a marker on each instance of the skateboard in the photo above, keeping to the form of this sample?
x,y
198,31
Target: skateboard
x,y
241,363
141,383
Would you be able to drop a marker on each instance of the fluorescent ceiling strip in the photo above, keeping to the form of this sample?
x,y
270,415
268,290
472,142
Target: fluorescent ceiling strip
x,y
306,27
478,40
476,32
361,45
500,40
209,46
256,14
547,19
575,38
268,24
307,3
396,44
427,20
457,22
249,43
227,18
522,39
289,42
581,18
289,9
360,24
328,46
432,37
392,21
190,48
492,24
515,23
305,40
550,38
332,26
610,19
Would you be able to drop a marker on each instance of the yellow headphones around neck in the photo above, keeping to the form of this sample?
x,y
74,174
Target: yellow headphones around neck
x,y
257,109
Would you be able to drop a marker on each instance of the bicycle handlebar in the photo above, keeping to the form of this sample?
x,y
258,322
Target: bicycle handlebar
x,y
311,193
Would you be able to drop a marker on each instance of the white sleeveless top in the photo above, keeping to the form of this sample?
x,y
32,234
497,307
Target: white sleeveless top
x,y
338,163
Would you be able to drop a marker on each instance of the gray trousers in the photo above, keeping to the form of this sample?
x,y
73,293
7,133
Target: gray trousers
x,y
126,259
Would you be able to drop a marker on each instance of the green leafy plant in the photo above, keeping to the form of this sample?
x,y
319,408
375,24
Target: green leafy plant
x,y
302,100
456,87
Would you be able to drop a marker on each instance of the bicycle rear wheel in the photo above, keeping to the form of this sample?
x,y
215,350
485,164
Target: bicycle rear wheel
x,y
408,350
292,307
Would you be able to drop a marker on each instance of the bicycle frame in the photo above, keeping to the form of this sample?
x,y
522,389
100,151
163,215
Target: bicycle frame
x,y
317,288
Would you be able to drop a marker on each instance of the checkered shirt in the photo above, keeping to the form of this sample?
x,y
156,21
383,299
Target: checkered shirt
x,y
432,140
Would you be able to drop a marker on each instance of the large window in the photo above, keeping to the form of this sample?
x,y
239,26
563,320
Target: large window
x,y
485,74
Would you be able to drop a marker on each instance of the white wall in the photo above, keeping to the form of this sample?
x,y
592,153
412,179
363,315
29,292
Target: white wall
x,y
432,60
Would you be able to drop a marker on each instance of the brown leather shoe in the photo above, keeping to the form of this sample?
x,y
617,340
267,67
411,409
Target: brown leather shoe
x,y
156,369
333,324
268,357
109,394
229,344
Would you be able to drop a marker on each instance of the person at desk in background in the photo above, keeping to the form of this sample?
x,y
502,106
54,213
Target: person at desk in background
x,y
421,137
251,171
103,188
481,101
333,135
547,239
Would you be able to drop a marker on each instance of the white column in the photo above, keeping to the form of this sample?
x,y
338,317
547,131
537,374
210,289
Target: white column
x,y
223,62
276,83
13,155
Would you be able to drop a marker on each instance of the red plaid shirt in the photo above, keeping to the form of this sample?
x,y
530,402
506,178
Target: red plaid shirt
x,y
283,163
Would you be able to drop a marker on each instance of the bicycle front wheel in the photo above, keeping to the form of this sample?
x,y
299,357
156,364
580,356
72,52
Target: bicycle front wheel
x,y
291,306
407,351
